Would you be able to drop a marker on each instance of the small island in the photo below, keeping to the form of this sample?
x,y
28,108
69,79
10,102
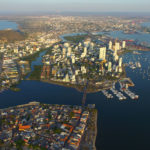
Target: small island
x,y
15,89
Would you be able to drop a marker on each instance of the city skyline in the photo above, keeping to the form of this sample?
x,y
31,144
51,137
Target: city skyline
x,y
58,6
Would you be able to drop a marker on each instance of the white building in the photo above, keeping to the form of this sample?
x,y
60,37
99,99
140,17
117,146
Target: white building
x,y
110,45
83,69
16,50
73,78
102,53
117,46
64,52
120,62
124,44
66,45
69,51
73,59
109,66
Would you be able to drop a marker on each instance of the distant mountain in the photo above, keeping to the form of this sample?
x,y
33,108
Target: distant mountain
x,y
11,35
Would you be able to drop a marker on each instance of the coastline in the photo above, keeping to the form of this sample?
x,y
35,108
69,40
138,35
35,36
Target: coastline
x,y
88,141
79,89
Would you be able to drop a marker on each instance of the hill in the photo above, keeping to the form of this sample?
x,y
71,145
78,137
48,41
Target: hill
x,y
11,35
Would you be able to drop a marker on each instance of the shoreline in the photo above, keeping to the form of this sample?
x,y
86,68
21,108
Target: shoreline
x,y
96,131
89,139
68,85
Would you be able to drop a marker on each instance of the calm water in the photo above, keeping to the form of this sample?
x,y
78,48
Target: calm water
x,y
122,125
8,25
146,24
141,37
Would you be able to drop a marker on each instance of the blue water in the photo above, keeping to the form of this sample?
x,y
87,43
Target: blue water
x,y
8,25
122,125
38,61
141,37
146,24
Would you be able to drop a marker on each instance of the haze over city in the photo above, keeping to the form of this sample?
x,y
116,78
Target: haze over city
x,y
74,74
33,6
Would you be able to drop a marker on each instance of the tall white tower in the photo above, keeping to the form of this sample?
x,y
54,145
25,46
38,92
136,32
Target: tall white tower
x,y
64,52
124,44
85,51
102,53
69,51
120,62
117,46
110,44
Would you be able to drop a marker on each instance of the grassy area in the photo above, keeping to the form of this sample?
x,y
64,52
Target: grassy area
x,y
15,89
75,39
32,57
126,51
35,75
11,35
57,130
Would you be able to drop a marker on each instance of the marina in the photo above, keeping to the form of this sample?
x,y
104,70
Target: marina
x,y
133,111
118,94
108,95
31,91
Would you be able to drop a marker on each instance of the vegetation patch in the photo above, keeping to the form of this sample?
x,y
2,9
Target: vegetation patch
x,y
36,74
75,39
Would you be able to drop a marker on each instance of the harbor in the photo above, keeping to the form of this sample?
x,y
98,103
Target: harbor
x,y
31,90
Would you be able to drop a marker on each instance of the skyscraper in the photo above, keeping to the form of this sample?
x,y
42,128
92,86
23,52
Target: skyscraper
x,y
102,53
120,62
69,51
85,51
124,44
109,66
64,52
117,46
110,44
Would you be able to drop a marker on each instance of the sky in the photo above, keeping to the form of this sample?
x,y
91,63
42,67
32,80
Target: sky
x,y
74,6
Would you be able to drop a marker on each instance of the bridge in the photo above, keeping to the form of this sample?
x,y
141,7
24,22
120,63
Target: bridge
x,y
84,94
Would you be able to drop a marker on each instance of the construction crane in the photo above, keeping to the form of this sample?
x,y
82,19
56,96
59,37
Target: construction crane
x,y
101,63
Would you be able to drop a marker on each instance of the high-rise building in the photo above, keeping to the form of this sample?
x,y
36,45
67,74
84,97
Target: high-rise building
x,y
64,52
120,69
73,59
116,69
91,46
85,50
109,66
120,62
102,53
117,46
110,45
66,78
66,45
124,44
69,51
73,78
83,69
